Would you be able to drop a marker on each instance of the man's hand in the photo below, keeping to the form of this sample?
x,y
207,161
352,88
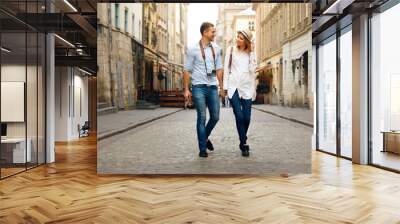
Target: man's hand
x,y
186,94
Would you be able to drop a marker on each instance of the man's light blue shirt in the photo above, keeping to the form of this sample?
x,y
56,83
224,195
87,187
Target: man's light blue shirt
x,y
194,64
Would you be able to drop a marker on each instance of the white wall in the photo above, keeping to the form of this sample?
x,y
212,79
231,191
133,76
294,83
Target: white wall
x,y
293,50
13,101
69,85
80,83
12,73
33,126
61,103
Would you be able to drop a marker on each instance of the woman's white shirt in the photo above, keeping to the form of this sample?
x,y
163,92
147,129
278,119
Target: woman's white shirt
x,y
242,74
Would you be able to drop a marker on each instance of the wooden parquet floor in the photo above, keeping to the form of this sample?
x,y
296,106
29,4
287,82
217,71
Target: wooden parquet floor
x,y
69,191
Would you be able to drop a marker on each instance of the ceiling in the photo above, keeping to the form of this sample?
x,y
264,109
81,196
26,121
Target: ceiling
x,y
74,22
328,16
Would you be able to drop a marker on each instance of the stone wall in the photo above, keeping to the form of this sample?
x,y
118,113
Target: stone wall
x,y
297,82
116,75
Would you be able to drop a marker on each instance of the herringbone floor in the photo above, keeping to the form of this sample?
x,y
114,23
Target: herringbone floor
x,y
69,191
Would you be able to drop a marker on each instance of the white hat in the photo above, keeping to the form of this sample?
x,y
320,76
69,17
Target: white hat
x,y
247,34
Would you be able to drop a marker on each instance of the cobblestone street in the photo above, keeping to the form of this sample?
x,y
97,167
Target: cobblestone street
x,y
169,146
111,124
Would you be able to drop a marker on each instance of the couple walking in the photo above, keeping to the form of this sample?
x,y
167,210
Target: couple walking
x,y
236,79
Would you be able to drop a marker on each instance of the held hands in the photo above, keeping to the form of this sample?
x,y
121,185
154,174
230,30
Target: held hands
x,y
222,92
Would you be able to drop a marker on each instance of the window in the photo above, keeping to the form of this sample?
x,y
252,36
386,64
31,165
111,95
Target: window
x,y
327,95
22,100
116,15
133,24
385,89
346,93
126,20
251,25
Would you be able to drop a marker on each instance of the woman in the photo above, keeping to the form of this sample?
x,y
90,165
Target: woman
x,y
239,83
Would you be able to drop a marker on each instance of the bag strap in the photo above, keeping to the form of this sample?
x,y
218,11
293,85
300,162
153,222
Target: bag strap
x,y
230,61
204,55
213,53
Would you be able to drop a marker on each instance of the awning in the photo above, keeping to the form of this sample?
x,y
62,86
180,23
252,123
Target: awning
x,y
262,68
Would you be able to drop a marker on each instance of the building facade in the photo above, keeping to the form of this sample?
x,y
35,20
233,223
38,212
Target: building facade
x,y
164,39
141,49
120,49
155,40
177,42
162,45
148,83
283,49
297,57
225,32
242,21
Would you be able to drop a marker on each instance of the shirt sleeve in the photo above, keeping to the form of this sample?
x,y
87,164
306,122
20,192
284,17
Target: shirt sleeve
x,y
218,60
226,69
253,62
189,60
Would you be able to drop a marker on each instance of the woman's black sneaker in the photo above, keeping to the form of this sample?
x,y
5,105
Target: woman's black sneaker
x,y
245,150
210,145
203,154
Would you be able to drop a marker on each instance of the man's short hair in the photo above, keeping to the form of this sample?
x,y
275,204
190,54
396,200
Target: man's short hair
x,y
204,26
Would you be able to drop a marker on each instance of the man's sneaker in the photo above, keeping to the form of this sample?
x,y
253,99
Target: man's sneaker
x,y
203,154
210,145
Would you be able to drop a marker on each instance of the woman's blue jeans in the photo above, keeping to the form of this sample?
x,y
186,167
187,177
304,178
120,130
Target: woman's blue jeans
x,y
242,110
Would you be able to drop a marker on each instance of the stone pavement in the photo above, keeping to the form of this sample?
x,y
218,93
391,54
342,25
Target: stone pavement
x,y
116,123
169,146
300,115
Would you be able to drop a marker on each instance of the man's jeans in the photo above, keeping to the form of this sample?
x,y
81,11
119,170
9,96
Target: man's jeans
x,y
242,110
205,96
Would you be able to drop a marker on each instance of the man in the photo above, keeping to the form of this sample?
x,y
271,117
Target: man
x,y
203,64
